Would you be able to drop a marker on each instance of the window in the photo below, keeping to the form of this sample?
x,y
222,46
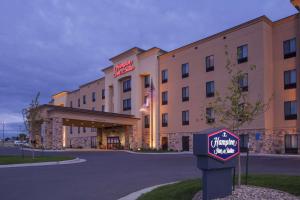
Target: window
x,y
78,103
242,54
164,76
103,108
93,108
185,70
185,117
71,104
127,104
243,82
164,98
290,110
291,143
71,130
290,79
146,121
147,81
244,139
93,96
103,93
164,121
127,85
210,118
210,89
93,129
185,93
209,63
84,99
83,129
289,48
78,129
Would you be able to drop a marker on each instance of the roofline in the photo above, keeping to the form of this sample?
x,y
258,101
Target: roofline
x,y
227,31
125,52
91,82
152,48
287,18
59,93
86,111
106,68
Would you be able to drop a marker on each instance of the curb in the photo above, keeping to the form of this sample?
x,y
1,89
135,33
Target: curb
x,y
137,194
163,153
64,162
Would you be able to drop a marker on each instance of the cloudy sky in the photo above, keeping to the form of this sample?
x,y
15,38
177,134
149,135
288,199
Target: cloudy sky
x,y
54,45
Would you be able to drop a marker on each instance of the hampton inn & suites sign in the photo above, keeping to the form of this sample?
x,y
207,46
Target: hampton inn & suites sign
x,y
123,68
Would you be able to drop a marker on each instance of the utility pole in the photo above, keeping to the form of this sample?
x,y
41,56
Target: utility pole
x,y
3,133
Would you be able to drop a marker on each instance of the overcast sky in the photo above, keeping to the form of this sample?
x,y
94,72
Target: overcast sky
x,y
54,45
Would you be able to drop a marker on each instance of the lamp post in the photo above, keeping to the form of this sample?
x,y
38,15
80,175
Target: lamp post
x,y
296,3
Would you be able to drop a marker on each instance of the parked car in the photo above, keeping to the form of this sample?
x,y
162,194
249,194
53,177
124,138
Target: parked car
x,y
17,143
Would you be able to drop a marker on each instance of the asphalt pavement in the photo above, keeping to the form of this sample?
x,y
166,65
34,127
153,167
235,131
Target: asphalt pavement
x,y
112,174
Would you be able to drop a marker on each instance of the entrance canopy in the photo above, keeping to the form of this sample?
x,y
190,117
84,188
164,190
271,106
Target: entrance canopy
x,y
55,117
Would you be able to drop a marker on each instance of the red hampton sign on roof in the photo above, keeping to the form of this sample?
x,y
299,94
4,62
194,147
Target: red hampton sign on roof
x,y
123,68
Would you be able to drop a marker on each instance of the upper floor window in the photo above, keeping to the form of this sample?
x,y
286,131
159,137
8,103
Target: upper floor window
x,y
103,93
127,104
242,54
71,104
78,130
71,130
185,70
93,96
164,98
290,79
210,118
185,117
146,121
185,93
210,89
127,85
83,129
164,120
290,110
147,81
78,103
289,48
164,76
209,60
243,82
84,99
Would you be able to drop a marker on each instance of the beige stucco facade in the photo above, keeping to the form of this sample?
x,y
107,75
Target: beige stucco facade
x,y
267,133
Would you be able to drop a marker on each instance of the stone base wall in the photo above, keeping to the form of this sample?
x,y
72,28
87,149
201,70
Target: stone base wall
x,y
79,142
260,141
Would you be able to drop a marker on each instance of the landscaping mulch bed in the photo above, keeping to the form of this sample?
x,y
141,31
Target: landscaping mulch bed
x,y
254,193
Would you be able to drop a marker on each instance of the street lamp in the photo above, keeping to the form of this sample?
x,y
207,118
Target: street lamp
x,y
296,3
3,133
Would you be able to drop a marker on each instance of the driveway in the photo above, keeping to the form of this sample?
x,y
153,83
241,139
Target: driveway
x,y
111,175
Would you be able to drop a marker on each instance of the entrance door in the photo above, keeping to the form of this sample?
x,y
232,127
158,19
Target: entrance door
x,y
113,142
185,143
94,142
164,143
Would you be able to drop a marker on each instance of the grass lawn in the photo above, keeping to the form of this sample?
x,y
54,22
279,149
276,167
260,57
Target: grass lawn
x,y
4,160
187,189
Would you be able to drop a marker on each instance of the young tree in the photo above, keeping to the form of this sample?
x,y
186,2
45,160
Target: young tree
x,y
234,109
32,120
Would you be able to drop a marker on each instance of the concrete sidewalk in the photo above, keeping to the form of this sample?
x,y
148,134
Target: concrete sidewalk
x,y
65,162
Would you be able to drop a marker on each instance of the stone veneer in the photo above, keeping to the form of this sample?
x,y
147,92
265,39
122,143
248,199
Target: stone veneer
x,y
269,142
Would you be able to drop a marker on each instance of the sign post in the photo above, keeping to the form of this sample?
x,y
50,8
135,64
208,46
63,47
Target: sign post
x,y
216,151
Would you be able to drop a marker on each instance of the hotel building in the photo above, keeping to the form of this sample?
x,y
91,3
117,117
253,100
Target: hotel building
x,y
157,99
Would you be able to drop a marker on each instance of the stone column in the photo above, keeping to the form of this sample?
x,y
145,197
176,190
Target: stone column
x,y
47,139
57,133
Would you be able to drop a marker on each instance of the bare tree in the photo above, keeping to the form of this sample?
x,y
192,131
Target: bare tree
x,y
32,121
234,109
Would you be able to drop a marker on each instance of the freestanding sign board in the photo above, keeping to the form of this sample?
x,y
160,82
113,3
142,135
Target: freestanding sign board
x,y
216,151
